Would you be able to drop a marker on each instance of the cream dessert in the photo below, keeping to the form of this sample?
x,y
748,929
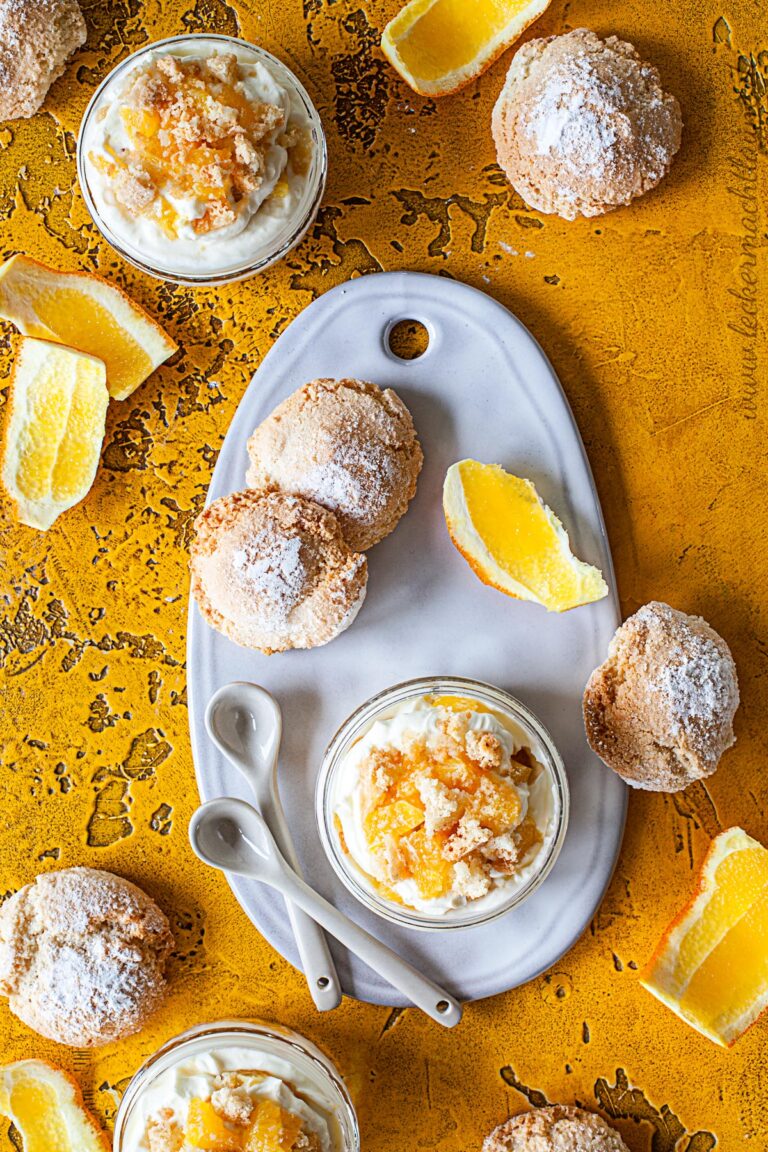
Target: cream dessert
x,y
199,156
444,802
233,1098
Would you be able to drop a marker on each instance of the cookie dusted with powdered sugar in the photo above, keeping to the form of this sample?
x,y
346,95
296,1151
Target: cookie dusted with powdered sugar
x,y
660,710
583,125
273,571
83,956
346,444
36,39
556,1128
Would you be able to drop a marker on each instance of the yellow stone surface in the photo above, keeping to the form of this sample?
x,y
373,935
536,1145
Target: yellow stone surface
x,y
649,316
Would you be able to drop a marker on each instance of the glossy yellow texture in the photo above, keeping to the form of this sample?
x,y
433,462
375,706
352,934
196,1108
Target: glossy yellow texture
x,y
436,45
205,1129
648,315
46,1109
739,882
37,1114
712,965
273,1130
87,314
56,428
442,35
512,540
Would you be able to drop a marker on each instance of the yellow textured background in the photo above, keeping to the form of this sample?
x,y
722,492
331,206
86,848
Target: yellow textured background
x,y
649,315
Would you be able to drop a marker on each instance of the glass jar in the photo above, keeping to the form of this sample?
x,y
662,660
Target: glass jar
x,y
321,1085
514,716
272,231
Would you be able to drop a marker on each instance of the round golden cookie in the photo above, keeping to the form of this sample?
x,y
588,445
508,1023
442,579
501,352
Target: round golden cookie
x,y
556,1128
83,956
273,571
346,444
583,125
36,39
660,710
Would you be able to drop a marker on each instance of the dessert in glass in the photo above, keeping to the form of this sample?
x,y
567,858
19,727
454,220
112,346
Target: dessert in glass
x,y
202,159
442,803
237,1086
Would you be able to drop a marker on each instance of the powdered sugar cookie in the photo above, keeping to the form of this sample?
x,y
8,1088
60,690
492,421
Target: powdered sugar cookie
x,y
660,710
273,571
83,956
583,125
36,38
556,1128
349,446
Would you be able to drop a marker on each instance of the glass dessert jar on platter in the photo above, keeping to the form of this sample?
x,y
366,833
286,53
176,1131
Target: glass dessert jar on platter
x,y
202,159
241,1085
442,803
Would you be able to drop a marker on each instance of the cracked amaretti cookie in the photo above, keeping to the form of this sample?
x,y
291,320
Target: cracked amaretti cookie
x,y
583,125
556,1128
273,571
660,710
349,446
36,39
83,956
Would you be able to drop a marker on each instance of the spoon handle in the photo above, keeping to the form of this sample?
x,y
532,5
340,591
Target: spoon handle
x,y
432,999
315,956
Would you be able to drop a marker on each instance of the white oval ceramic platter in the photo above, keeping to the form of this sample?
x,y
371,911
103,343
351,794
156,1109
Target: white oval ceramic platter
x,y
482,389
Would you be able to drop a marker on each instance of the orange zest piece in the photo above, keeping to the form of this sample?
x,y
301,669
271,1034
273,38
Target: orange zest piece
x,y
55,429
513,541
87,313
711,966
46,1106
438,46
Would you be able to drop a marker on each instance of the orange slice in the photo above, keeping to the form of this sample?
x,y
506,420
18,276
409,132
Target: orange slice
x,y
47,1107
438,46
88,313
55,429
513,541
711,966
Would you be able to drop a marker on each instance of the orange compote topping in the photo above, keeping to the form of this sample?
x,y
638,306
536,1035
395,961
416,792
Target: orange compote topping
x,y
446,812
234,1125
194,135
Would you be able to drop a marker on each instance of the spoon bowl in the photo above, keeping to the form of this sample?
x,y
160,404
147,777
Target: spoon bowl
x,y
231,835
246,724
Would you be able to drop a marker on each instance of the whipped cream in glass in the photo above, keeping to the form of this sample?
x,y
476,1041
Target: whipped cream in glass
x,y
238,1082
442,803
202,159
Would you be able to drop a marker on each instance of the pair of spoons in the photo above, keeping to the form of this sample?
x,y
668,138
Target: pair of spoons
x,y
245,723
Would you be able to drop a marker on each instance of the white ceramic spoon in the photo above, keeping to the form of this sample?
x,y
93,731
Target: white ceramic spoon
x,y
245,723
231,835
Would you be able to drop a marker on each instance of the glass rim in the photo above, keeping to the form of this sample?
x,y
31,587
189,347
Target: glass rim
x,y
275,1033
316,180
352,729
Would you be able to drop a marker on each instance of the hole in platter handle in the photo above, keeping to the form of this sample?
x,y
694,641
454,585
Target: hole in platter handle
x,y
407,339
